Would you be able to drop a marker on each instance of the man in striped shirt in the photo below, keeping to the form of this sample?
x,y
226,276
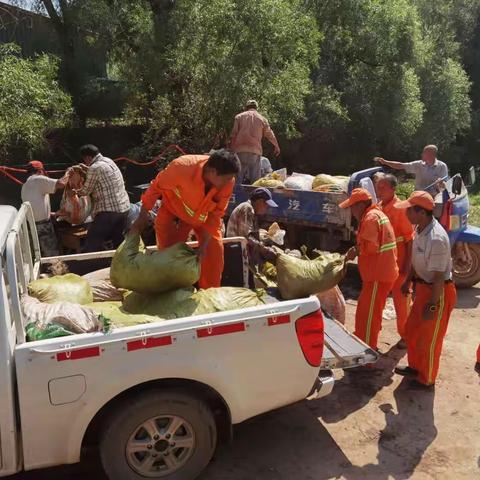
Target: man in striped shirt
x,y
104,183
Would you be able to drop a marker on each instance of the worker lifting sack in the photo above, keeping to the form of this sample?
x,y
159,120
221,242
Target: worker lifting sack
x,y
134,268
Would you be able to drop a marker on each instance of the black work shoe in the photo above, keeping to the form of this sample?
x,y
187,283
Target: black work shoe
x,y
406,371
477,367
416,385
402,344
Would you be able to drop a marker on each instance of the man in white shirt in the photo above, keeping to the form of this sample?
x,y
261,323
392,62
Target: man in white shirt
x,y
435,294
429,171
37,190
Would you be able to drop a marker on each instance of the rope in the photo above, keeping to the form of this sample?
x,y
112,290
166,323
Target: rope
x,y
6,170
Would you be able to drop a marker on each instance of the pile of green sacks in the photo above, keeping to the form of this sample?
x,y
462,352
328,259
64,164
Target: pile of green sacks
x,y
158,286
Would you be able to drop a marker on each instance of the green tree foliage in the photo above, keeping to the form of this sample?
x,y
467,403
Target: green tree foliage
x,y
192,65
31,101
395,67
352,78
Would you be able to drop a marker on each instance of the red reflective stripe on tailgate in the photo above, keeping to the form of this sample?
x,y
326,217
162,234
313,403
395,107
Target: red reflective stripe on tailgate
x,y
220,330
148,343
278,320
78,354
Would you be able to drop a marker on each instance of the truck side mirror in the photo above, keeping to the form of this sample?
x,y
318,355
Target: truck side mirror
x,y
457,185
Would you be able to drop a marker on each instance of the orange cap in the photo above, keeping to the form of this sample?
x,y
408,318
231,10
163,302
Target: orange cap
x,y
358,195
37,164
418,199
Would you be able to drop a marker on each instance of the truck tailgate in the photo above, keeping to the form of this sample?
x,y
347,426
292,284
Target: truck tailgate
x,y
342,349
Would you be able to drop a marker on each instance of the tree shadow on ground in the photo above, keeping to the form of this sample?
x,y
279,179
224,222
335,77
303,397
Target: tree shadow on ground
x,y
405,438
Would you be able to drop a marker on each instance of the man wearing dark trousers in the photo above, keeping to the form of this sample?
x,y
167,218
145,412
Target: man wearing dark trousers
x,y
105,184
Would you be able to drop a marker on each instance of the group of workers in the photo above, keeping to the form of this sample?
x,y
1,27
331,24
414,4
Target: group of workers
x,y
400,244
394,258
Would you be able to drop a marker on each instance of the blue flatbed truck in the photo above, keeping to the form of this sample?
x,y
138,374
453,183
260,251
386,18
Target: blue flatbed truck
x,y
314,219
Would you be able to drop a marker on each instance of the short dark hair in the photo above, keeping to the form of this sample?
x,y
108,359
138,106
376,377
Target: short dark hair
x,y
31,170
224,161
89,150
428,213
391,179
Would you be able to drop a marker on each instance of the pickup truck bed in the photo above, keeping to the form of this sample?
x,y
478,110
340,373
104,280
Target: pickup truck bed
x,y
224,367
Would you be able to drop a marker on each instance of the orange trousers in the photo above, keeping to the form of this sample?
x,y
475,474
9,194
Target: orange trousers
x,y
170,230
425,337
402,303
368,317
478,354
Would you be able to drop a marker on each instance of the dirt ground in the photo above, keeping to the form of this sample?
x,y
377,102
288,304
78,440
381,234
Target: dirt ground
x,y
370,427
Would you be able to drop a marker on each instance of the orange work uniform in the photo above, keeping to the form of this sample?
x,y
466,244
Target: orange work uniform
x,y
186,206
377,263
430,254
425,337
403,230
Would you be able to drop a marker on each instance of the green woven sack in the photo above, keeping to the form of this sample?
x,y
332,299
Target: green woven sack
x,y
117,316
184,303
134,268
299,278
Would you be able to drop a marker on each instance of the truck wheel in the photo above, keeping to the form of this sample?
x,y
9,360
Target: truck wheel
x,y
466,272
158,434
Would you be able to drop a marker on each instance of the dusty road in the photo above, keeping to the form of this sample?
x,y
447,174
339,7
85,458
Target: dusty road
x,y
371,427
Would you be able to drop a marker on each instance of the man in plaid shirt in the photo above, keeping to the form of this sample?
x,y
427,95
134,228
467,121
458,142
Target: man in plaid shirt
x,y
104,183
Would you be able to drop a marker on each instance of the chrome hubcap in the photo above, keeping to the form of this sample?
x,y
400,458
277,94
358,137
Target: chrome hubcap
x,y
160,446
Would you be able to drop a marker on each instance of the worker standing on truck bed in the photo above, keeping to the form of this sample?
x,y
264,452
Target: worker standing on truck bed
x,y
403,229
429,171
37,190
248,131
195,191
435,294
377,263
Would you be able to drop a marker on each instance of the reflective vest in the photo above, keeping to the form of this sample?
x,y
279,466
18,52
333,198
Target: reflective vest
x,y
377,258
402,227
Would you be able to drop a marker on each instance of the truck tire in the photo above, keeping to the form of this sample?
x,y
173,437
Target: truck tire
x,y
466,276
165,434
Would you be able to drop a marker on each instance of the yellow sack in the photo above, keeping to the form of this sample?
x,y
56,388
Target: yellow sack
x,y
61,288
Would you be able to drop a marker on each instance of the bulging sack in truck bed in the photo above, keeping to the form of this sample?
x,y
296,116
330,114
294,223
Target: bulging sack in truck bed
x,y
61,288
71,316
118,317
186,302
298,278
134,268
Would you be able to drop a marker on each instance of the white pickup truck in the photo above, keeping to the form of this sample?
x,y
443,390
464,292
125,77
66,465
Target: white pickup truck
x,y
155,398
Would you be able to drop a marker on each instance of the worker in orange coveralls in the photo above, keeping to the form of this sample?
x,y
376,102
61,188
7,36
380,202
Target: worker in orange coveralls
x,y
377,263
195,191
403,229
435,294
